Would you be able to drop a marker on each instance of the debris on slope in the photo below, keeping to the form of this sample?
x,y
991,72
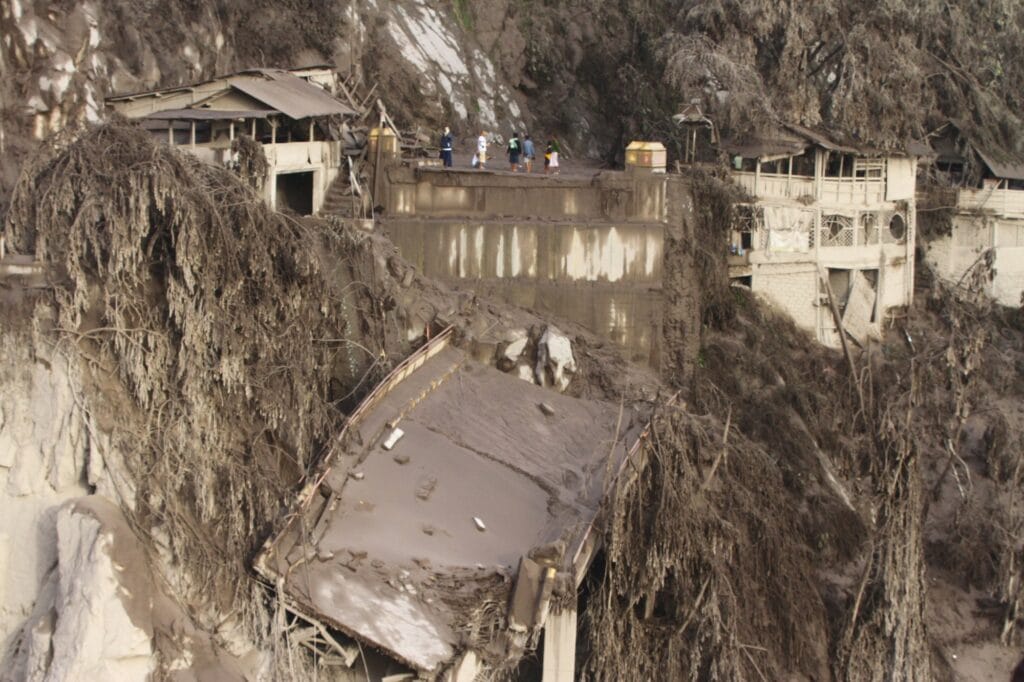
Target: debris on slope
x,y
706,576
218,323
220,345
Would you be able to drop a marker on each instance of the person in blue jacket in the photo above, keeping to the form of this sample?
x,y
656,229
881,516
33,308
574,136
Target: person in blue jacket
x,y
529,153
446,148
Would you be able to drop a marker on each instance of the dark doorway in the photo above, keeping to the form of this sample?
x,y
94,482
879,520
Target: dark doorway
x,y
295,192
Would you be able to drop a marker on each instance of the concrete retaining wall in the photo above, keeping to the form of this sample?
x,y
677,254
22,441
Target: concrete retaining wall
x,y
588,249
604,196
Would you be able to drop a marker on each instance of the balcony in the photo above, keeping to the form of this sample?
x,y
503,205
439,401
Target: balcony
x,y
775,186
1001,202
833,191
280,156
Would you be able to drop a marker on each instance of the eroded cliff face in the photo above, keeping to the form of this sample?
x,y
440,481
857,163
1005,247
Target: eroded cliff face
x,y
79,597
43,454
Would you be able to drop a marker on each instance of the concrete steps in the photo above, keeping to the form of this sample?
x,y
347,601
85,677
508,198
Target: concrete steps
x,y
339,200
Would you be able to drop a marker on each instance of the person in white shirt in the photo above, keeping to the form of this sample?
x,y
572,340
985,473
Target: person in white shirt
x,y
481,149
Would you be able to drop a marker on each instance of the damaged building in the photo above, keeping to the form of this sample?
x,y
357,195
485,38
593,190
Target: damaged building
x,y
447,532
824,216
301,126
987,198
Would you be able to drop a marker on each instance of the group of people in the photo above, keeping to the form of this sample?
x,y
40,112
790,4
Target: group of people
x,y
521,153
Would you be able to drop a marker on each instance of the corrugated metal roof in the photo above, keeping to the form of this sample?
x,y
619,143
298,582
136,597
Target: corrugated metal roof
x,y
822,141
208,114
1003,164
292,96
1002,169
760,149
224,77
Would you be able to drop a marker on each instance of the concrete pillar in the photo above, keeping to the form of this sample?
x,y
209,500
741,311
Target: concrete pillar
x,y
318,190
560,647
466,671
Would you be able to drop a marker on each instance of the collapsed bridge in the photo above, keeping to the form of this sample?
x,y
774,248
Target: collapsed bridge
x,y
454,519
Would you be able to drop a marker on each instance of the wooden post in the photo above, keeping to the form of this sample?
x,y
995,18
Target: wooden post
x,y
254,129
170,133
820,160
192,135
273,131
231,131
823,276
789,179
757,178
311,130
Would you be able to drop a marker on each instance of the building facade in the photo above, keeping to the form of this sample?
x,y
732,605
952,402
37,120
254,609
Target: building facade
x,y
987,200
824,220
292,113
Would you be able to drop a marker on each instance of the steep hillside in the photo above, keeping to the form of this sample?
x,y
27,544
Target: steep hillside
x,y
594,73
803,515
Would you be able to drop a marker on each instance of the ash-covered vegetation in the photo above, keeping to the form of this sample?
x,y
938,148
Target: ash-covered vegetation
x,y
221,339
879,73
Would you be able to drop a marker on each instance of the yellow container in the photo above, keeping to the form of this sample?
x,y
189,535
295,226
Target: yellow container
x,y
646,156
387,140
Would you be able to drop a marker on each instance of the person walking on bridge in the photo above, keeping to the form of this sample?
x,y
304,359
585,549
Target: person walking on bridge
x,y
513,152
551,157
481,150
529,153
446,147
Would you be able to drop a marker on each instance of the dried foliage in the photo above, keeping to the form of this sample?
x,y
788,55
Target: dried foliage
x,y
809,434
251,162
706,577
219,323
882,73
714,202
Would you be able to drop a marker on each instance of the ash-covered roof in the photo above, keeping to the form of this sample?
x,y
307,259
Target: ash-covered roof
x,y
294,97
280,90
793,139
403,548
1012,170
208,114
1003,163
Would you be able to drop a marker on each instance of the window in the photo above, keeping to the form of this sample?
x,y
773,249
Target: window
x,y
836,230
897,229
869,227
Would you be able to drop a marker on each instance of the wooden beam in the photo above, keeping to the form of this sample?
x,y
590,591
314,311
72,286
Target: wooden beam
x,y
823,276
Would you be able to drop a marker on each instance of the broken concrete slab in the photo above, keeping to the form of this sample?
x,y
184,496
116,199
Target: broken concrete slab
x,y
478,444
555,362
